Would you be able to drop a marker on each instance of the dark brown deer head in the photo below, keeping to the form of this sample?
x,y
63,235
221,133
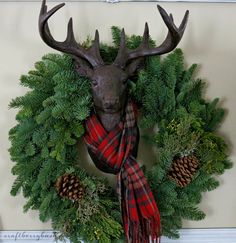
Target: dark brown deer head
x,y
109,82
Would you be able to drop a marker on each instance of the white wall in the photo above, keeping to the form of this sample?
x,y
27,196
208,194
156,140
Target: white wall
x,y
210,39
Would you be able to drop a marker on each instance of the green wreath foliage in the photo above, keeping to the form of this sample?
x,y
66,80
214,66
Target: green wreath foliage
x,y
50,123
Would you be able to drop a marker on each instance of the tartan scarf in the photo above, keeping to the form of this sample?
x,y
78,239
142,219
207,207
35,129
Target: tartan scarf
x,y
141,218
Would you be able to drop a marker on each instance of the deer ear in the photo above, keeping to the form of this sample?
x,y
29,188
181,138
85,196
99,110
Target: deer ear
x,y
83,67
135,65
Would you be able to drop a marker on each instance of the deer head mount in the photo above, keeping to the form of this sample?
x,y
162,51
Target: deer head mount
x,y
109,82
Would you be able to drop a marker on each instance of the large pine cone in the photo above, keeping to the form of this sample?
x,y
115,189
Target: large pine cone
x,y
183,169
69,186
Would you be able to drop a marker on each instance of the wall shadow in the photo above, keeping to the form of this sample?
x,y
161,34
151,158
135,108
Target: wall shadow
x,y
1,225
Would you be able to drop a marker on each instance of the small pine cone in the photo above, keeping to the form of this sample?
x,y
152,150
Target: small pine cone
x,y
183,170
69,186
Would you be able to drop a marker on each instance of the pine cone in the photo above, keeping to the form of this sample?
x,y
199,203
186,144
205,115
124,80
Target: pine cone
x,y
69,186
183,169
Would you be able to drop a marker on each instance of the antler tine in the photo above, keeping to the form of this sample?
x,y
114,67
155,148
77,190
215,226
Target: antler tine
x,y
184,22
70,33
95,50
43,17
70,45
122,52
145,35
169,21
171,41
96,40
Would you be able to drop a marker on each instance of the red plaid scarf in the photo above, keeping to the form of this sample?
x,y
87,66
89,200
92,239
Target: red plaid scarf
x,y
140,214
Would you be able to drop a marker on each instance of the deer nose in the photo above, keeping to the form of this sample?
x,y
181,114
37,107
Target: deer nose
x,y
111,103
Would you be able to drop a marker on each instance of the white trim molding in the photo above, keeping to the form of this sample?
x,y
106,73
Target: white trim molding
x,y
219,235
118,1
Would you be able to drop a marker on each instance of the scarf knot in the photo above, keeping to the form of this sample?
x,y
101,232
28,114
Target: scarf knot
x,y
113,151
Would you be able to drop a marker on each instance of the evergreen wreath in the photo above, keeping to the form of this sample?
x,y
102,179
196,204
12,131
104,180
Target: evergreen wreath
x,y
50,122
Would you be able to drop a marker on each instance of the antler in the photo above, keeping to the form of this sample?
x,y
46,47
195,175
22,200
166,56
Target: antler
x,y
70,46
173,38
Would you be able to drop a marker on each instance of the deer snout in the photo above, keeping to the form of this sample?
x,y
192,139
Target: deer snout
x,y
111,104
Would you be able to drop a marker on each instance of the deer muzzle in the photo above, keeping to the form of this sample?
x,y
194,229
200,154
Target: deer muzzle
x,y
111,105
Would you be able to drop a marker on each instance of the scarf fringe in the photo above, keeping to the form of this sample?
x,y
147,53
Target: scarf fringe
x,y
145,231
